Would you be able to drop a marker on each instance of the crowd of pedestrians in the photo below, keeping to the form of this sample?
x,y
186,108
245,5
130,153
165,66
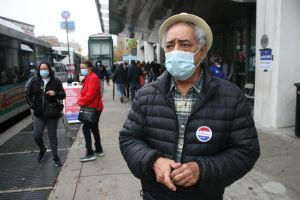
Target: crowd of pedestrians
x,y
131,77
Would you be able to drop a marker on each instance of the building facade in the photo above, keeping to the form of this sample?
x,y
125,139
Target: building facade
x,y
257,39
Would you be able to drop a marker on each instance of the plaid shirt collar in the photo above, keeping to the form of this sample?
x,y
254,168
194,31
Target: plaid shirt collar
x,y
197,87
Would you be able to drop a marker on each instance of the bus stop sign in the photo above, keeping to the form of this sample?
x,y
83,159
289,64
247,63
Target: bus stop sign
x,y
65,14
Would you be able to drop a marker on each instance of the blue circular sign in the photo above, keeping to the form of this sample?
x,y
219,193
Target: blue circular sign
x,y
65,14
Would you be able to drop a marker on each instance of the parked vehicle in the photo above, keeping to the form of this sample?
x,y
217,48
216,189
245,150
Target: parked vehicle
x,y
17,51
71,62
60,71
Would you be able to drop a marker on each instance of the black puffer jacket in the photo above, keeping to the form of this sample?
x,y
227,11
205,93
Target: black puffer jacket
x,y
37,98
134,74
151,129
120,76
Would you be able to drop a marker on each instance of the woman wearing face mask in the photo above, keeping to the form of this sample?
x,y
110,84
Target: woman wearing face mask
x,y
42,90
91,97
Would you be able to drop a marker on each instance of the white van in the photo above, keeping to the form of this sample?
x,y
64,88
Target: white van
x,y
60,71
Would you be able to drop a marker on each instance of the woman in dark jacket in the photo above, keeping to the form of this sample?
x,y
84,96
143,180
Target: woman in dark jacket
x,y
91,97
43,91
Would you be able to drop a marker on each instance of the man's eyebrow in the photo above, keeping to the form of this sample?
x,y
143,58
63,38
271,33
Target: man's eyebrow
x,y
181,41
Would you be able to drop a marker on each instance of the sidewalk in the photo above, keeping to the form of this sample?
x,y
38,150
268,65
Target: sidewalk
x,y
276,175
107,177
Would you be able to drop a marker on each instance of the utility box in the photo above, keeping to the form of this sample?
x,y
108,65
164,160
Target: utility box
x,y
101,49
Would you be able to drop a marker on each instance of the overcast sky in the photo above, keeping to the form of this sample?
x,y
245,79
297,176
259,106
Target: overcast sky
x,y
45,15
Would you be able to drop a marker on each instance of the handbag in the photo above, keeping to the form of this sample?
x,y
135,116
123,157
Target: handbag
x,y
88,114
53,110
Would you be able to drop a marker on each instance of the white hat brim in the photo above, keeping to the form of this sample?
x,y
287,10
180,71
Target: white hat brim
x,y
185,17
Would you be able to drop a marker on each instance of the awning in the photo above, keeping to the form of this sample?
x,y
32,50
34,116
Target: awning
x,y
141,19
26,47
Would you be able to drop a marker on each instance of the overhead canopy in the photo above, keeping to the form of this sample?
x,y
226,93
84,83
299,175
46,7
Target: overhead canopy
x,y
141,19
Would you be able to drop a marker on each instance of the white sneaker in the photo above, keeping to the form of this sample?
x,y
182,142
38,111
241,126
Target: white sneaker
x,y
88,158
100,153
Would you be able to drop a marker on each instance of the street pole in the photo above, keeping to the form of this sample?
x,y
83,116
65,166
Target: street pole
x,y
67,31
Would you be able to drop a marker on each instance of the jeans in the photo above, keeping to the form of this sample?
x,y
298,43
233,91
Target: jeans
x,y
120,89
87,128
38,130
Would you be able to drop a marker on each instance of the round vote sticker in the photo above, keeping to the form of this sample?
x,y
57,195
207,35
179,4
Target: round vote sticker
x,y
204,134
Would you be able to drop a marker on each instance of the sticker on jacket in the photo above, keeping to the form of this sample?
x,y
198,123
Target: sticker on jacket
x,y
204,134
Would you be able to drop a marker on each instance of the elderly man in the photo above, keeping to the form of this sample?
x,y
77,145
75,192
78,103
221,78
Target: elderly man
x,y
188,134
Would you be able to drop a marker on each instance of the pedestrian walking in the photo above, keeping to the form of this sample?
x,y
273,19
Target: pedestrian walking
x,y
43,94
216,69
120,78
91,97
134,74
126,90
188,135
101,72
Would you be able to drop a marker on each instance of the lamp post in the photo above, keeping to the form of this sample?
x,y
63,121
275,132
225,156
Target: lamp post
x,y
66,15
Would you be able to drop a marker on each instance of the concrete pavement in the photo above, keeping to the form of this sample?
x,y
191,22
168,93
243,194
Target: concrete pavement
x,y
275,176
107,177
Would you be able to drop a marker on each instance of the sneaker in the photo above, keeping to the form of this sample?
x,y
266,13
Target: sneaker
x,y
100,153
42,154
57,162
88,158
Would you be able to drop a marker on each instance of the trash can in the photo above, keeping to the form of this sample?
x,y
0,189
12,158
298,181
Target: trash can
x,y
297,122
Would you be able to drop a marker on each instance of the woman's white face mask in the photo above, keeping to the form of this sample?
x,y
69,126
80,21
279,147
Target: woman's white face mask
x,y
181,64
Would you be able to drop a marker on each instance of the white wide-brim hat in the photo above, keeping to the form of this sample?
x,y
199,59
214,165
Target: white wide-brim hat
x,y
185,17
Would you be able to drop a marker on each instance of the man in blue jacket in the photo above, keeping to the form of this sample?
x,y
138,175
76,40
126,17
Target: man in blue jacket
x,y
188,135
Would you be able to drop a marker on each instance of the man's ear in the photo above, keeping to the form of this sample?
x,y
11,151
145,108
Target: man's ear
x,y
203,52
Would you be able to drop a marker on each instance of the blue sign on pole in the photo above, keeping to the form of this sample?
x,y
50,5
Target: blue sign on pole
x,y
71,25
129,57
65,14
265,59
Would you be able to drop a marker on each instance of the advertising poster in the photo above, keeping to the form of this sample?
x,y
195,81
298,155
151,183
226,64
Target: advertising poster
x,y
71,108
266,59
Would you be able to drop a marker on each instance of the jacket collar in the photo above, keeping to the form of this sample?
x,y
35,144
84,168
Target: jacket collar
x,y
88,77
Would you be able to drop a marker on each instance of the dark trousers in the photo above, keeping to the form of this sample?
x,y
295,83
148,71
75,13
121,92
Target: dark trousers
x,y
133,88
87,128
39,125
126,91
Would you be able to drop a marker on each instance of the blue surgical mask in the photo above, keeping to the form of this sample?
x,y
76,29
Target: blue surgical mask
x,y
83,72
44,73
180,64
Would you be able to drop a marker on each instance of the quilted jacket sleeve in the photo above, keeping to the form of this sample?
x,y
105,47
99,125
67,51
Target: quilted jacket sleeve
x,y
60,92
243,150
138,155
